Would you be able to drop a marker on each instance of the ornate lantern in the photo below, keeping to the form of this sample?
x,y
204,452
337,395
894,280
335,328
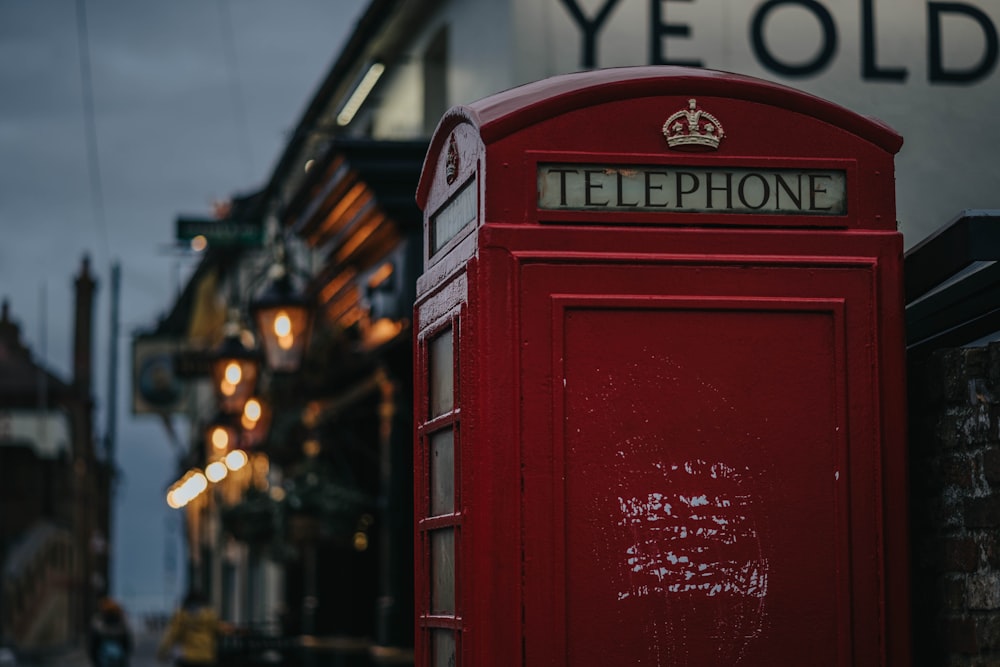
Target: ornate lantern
x,y
283,316
235,367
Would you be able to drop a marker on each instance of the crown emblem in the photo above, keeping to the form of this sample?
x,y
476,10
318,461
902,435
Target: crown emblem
x,y
692,129
451,164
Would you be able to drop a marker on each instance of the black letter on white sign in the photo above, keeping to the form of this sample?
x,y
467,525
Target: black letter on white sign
x,y
562,182
869,70
590,29
658,30
936,69
819,63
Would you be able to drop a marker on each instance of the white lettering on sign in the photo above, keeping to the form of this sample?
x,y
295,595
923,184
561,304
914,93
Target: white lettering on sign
x,y
655,188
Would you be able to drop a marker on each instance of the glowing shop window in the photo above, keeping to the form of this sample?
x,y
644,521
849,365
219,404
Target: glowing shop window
x,y
443,648
443,571
441,364
442,454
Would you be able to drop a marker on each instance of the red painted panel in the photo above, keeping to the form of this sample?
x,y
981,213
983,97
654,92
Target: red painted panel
x,y
700,458
681,432
701,466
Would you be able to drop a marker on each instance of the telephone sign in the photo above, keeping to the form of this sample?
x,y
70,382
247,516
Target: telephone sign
x,y
722,189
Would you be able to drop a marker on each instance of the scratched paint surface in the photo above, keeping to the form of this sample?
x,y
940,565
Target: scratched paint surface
x,y
690,542
700,489
694,544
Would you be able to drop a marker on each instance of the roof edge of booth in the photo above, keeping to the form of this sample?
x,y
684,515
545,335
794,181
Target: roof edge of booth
x,y
504,113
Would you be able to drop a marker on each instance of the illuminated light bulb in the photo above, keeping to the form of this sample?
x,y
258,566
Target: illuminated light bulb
x,y
354,102
236,459
216,471
233,373
173,501
220,438
311,447
282,324
198,483
185,492
228,388
283,330
252,410
199,243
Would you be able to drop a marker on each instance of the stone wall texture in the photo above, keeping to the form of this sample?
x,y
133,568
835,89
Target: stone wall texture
x,y
954,441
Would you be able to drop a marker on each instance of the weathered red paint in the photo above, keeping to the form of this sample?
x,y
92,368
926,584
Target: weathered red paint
x,y
678,436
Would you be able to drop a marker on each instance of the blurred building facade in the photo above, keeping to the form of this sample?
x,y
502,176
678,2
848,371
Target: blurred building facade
x,y
55,489
313,538
317,543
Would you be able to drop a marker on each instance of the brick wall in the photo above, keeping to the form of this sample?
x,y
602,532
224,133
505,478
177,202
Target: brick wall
x,y
954,439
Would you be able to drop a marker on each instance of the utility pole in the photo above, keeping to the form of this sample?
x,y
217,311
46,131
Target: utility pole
x,y
110,425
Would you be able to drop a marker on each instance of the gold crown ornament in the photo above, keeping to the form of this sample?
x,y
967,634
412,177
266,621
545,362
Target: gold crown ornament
x,y
692,129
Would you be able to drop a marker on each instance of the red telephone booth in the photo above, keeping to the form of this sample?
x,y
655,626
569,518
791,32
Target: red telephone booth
x,y
659,379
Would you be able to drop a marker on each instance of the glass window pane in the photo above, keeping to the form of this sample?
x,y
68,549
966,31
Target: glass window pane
x,y
441,367
443,571
442,446
443,648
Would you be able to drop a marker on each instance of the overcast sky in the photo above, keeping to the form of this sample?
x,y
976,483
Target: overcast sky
x,y
193,101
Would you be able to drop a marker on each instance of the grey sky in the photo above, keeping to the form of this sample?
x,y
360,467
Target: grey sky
x,y
172,138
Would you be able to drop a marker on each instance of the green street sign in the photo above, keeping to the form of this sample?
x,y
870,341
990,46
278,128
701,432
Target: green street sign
x,y
227,232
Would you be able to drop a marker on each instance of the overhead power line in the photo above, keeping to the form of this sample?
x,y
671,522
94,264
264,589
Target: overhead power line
x,y
90,129
236,91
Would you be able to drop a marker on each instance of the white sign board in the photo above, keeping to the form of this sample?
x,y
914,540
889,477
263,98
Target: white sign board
x,y
926,68
46,431
659,189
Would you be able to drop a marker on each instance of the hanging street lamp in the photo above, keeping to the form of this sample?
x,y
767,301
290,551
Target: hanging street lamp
x,y
255,421
283,317
235,367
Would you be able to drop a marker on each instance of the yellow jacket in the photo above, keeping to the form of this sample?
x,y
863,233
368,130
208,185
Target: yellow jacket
x,y
194,631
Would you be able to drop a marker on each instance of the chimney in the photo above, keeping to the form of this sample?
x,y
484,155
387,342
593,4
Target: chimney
x,y
83,330
10,334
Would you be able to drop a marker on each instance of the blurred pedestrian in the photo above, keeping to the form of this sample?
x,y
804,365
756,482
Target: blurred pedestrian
x,y
192,634
110,640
